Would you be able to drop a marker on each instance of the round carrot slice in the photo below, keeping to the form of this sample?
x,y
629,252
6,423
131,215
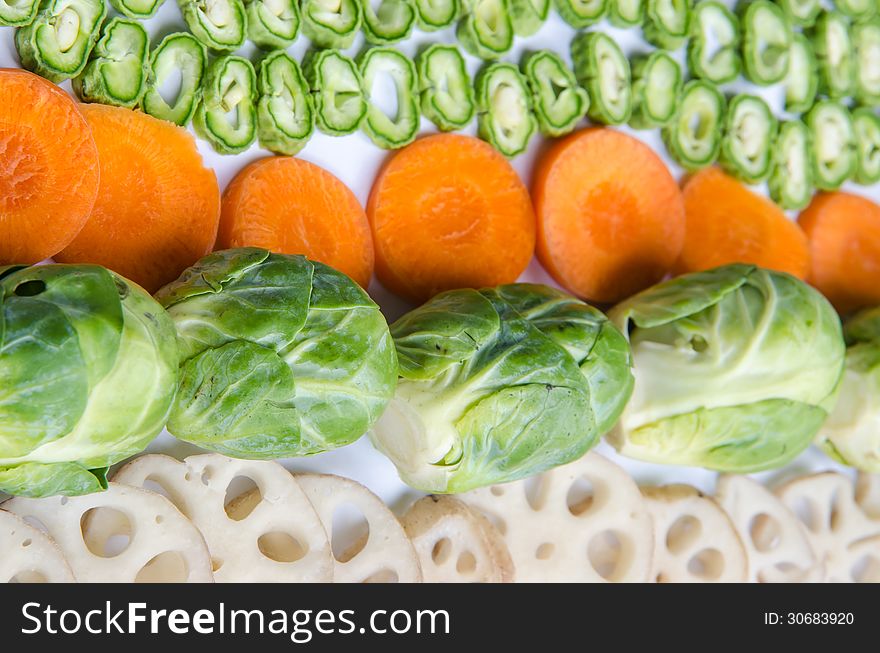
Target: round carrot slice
x,y
449,212
728,223
610,215
158,206
844,235
291,206
48,168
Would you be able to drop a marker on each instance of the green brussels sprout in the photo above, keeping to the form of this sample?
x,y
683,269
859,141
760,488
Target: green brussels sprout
x,y
499,384
279,355
736,368
89,368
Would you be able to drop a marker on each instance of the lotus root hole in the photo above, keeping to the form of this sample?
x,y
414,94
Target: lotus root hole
x,y
536,489
581,496
806,512
107,532
36,523
683,534
349,532
167,567
216,564
497,491
708,564
466,564
765,532
609,554
239,487
281,547
866,569
29,576
26,543
835,515
441,551
545,551
383,576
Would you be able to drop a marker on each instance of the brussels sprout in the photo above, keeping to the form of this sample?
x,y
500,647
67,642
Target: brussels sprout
x,y
791,180
486,31
285,112
504,108
389,22
447,95
18,13
398,128
559,102
746,146
528,16
118,67
656,89
331,23
137,9
272,24
581,13
220,24
736,369
179,53
601,67
499,384
279,355
227,115
89,368
338,91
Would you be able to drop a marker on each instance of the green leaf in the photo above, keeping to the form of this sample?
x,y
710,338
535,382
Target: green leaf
x,y
49,479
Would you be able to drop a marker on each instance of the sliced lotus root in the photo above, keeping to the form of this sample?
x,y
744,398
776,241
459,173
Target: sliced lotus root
x,y
696,542
122,535
456,544
775,540
843,537
274,536
868,494
369,544
582,522
29,555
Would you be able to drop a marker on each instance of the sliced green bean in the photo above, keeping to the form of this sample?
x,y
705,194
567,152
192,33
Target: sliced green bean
x,y
834,144
802,78
117,70
558,101
527,16
866,125
866,43
766,41
397,127
713,50
747,142
285,113
667,22
693,138
227,115
626,13
337,90
857,9
601,67
504,110
432,15
581,13
486,31
56,45
834,53
180,53
791,180
657,82
331,23
18,13
137,9
272,24
447,95
220,24
390,22
801,13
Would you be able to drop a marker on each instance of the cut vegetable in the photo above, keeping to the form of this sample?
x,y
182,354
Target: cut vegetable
x,y
801,13
432,15
447,95
504,108
527,16
291,206
693,138
227,115
866,125
486,31
389,22
118,67
557,99
601,67
158,206
18,13
866,43
834,145
588,199
833,47
48,171
791,180
331,23
30,556
57,43
842,229
766,41
728,223
626,13
220,24
747,143
137,9
178,54
449,212
858,10
667,22
802,79
272,24
581,13
285,112
656,89
398,127
713,50
338,91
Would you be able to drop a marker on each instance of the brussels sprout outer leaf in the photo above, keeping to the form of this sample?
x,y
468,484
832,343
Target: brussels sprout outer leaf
x,y
49,479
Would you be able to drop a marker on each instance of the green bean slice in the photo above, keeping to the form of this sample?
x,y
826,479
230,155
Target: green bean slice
x,y
693,138
331,23
504,110
657,83
835,156
558,101
18,13
528,16
390,22
802,78
626,13
746,146
447,95
285,113
667,22
227,114
486,31
866,125
791,180
581,13
601,67
117,70
713,51
834,53
177,53
272,24
866,42
766,41
337,90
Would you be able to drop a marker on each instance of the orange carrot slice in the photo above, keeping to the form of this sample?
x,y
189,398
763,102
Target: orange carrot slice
x,y
158,206
844,236
610,215
291,206
449,212
48,168
728,223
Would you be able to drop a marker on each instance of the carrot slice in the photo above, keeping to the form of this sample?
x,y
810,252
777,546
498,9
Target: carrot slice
x,y
291,206
728,223
610,215
449,212
48,168
844,235
158,206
